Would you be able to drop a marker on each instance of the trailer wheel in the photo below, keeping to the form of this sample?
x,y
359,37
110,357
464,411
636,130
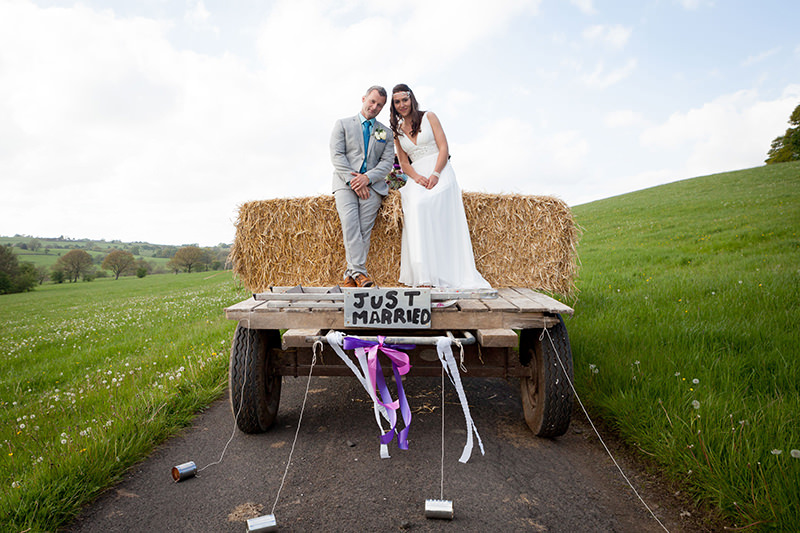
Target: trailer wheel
x,y
546,395
254,385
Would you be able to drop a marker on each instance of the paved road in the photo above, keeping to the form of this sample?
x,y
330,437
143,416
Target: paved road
x,y
337,482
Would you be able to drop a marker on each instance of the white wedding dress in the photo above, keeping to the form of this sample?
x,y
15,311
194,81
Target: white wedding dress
x,y
436,247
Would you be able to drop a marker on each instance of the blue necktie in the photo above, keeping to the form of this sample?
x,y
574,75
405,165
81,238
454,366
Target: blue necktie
x,y
365,125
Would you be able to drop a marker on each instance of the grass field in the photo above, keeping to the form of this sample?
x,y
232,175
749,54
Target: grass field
x,y
94,375
685,340
686,335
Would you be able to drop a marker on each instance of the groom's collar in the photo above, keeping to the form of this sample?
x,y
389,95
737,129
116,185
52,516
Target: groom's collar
x,y
363,119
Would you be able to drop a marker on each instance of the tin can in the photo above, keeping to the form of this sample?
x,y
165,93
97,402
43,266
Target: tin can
x,y
262,523
186,470
439,509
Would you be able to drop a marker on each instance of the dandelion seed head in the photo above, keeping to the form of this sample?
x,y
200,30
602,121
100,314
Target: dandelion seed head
x,y
776,452
795,454
695,381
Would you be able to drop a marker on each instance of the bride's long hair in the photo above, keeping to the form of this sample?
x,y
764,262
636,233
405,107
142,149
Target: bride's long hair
x,y
415,115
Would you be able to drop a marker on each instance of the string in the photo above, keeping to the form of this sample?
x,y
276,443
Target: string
x,y
575,392
441,488
299,421
241,397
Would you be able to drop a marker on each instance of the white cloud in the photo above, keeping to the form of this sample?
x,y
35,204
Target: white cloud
x,y
512,156
690,4
731,132
586,6
623,118
600,78
198,17
615,36
758,58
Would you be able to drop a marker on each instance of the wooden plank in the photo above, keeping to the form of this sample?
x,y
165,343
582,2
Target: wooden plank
x,y
283,304
296,338
500,304
497,337
313,293
472,306
299,297
302,318
242,310
522,302
306,290
245,305
545,302
444,307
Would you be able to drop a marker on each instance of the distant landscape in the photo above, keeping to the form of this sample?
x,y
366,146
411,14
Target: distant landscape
x,y
44,253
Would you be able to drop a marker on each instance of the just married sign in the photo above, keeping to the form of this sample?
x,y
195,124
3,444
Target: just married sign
x,y
393,308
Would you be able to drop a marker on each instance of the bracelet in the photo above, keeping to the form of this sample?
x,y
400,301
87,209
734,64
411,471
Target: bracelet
x,y
434,173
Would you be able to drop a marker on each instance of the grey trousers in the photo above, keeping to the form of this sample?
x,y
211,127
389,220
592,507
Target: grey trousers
x,y
358,218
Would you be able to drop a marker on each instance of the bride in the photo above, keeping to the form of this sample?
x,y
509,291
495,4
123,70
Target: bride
x,y
436,248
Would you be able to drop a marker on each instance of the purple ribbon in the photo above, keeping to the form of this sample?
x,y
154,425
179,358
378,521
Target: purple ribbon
x,y
400,366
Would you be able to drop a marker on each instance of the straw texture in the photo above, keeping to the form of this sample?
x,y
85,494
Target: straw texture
x,y
519,241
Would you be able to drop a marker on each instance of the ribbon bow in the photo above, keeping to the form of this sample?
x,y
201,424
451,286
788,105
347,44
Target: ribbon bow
x,y
400,366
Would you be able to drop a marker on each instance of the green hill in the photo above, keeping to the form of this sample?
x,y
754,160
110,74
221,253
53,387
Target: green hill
x,y
45,251
686,337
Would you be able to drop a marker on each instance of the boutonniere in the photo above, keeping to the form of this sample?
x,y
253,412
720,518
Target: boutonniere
x,y
380,135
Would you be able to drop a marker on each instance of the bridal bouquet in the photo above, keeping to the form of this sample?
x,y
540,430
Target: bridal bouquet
x,y
396,178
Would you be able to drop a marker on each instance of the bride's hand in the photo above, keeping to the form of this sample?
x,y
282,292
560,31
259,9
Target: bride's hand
x,y
432,181
422,180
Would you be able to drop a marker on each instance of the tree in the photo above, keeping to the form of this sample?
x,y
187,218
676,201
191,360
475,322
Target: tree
x,y
15,277
74,264
35,244
57,274
26,279
118,262
142,264
787,147
8,259
188,258
41,274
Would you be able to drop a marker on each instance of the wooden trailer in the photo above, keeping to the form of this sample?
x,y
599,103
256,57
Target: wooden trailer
x,y
502,333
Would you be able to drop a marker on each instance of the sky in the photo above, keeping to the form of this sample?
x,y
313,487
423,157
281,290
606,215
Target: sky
x,y
155,120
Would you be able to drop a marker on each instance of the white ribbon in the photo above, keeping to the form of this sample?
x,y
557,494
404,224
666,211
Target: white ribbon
x,y
449,364
336,340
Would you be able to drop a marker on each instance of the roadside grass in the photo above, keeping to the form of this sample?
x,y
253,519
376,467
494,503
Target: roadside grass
x,y
94,375
686,335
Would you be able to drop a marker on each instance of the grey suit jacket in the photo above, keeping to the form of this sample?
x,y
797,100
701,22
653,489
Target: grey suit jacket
x,y
347,154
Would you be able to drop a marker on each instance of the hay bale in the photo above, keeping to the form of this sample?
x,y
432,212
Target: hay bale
x,y
519,241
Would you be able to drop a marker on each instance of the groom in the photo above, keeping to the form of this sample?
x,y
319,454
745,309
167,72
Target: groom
x,y
362,152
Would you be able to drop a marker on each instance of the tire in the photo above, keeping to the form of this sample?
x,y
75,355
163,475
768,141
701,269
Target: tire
x,y
547,396
255,389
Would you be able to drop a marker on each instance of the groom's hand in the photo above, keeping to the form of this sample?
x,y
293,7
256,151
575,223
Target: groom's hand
x,y
360,185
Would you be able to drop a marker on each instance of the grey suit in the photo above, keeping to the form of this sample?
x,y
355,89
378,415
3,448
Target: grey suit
x,y
357,215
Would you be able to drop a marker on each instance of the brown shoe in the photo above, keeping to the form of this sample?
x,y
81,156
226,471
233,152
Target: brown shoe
x,y
362,280
349,282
